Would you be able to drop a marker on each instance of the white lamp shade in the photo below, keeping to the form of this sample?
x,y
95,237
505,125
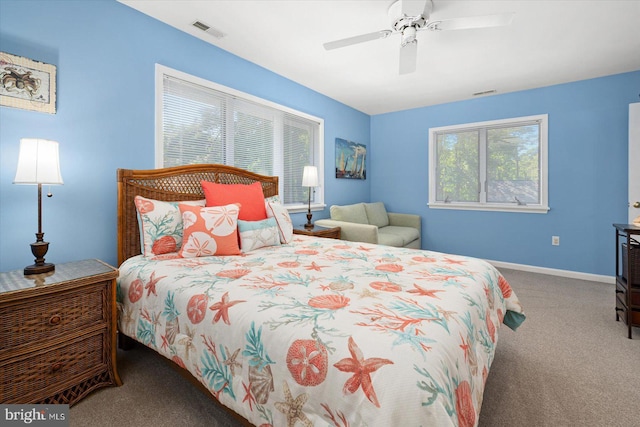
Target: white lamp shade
x,y
310,176
38,162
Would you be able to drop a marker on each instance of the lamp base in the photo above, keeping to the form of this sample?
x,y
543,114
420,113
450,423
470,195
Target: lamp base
x,y
39,249
38,269
309,224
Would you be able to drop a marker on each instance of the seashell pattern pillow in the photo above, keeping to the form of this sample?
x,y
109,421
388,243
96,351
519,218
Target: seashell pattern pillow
x,y
160,225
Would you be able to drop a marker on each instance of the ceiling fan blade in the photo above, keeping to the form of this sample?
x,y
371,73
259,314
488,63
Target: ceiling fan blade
x,y
408,57
356,39
471,22
413,7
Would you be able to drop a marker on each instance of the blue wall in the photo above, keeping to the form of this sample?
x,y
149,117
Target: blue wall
x,y
588,140
105,54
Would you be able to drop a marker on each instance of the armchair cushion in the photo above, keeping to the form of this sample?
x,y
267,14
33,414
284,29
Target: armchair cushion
x,y
377,214
349,213
390,239
399,235
352,231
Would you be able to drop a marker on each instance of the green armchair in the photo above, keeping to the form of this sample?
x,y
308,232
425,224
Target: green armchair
x,y
371,223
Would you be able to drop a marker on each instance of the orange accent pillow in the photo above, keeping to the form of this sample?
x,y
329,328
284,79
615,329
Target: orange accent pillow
x,y
209,231
250,197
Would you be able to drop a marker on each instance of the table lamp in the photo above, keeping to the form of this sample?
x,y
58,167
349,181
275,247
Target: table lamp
x,y
38,163
309,179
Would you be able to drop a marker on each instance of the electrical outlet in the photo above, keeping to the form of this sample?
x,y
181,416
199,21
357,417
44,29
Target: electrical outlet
x,y
555,240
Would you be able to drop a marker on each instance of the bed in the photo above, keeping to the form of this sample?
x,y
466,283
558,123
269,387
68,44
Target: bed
x,y
314,331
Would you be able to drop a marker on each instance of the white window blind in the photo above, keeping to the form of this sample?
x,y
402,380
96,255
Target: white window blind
x,y
203,122
497,165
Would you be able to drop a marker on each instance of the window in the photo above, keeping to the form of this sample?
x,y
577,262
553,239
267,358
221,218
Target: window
x,y
198,121
498,165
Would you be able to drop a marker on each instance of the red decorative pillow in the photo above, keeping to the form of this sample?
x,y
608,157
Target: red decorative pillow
x,y
250,197
209,231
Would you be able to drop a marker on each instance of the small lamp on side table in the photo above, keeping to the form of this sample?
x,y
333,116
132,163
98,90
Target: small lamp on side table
x,y
38,163
309,179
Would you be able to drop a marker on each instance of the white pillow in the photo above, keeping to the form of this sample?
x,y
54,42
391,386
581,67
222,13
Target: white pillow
x,y
281,215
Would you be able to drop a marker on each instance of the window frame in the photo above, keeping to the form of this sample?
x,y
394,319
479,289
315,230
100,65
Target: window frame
x,y
541,207
317,201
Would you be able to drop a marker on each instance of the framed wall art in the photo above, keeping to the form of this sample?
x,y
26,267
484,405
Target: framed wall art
x,y
27,84
350,159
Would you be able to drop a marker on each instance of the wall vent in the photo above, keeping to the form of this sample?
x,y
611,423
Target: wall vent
x,y
486,92
208,29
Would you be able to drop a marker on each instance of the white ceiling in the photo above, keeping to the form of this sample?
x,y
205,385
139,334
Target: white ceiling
x,y
548,42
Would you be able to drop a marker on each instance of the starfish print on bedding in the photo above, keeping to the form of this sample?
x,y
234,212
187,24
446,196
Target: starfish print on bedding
x,y
222,308
425,292
314,266
292,408
231,362
366,293
151,286
361,368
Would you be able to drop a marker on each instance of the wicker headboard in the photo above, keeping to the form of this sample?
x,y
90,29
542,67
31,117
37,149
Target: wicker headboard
x,y
172,184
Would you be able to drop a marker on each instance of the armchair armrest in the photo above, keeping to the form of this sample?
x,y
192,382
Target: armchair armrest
x,y
352,231
404,220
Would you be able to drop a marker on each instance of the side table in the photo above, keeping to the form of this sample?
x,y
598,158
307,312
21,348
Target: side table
x,y
317,231
58,333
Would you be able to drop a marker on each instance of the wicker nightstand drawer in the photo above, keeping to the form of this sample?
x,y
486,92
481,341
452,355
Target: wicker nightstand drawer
x,y
48,316
42,373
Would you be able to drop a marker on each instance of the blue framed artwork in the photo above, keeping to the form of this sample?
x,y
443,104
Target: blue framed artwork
x,y
350,159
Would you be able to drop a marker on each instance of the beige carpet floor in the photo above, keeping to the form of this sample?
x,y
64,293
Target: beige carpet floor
x,y
570,364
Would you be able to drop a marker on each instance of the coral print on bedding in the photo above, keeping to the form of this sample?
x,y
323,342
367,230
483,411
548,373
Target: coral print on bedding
x,y
325,332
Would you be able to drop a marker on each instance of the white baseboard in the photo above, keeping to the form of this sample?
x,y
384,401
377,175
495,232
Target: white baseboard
x,y
555,272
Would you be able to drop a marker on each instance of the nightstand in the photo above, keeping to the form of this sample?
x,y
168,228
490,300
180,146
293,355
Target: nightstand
x,y
317,231
57,333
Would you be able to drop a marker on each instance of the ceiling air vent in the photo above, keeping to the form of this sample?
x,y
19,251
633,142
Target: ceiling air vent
x,y
486,92
208,29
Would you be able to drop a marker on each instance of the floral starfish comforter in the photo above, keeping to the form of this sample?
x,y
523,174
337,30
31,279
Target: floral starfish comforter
x,y
326,332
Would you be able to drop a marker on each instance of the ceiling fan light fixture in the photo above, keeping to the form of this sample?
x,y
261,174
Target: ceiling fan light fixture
x,y
408,36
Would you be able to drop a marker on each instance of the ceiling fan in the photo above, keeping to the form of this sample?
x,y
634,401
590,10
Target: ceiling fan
x,y
410,16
